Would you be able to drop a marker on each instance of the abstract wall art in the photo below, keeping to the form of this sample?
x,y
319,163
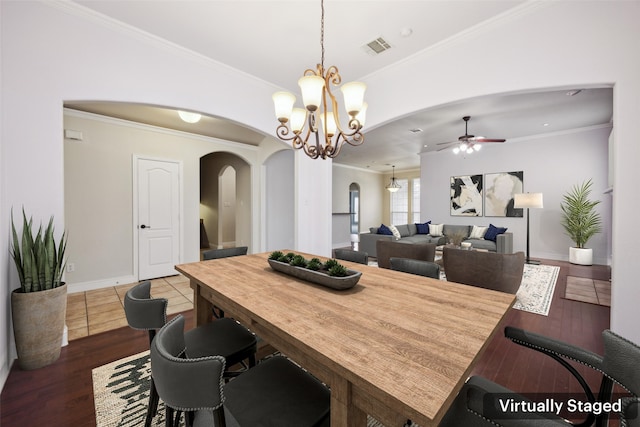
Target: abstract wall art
x,y
499,193
466,195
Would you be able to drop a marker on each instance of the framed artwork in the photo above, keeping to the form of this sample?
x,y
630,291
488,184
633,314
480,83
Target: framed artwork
x,y
499,192
466,195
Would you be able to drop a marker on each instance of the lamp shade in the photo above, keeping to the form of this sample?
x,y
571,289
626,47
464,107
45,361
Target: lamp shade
x,y
283,103
528,200
362,114
311,87
330,123
298,116
353,97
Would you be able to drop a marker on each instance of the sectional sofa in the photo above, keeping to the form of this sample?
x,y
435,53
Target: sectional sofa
x,y
494,239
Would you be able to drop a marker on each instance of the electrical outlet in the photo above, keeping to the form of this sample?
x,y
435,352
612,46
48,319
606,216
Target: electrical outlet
x,y
71,267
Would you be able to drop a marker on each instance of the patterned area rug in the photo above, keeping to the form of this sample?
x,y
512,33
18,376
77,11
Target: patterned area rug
x,y
121,393
536,290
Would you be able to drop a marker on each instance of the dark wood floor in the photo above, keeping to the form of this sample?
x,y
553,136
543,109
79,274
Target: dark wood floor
x,y
62,394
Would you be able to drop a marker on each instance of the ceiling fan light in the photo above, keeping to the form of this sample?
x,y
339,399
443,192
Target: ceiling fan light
x,y
456,150
469,150
464,146
477,147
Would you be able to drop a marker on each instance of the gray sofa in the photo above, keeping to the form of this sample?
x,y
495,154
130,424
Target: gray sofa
x,y
409,234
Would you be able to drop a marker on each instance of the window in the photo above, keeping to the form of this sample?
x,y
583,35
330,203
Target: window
x,y
415,199
400,203
406,200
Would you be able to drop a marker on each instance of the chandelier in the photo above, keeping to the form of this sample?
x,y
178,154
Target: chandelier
x,y
317,128
393,185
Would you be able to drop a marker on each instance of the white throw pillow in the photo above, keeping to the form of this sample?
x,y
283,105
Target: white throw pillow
x,y
478,232
436,229
395,232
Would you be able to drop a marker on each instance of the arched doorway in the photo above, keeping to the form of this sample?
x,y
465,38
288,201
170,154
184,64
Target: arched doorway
x,y
225,200
354,213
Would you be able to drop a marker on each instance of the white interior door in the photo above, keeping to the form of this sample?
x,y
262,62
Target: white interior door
x,y
158,218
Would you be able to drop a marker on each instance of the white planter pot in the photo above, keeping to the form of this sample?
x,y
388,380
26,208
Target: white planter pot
x,y
581,256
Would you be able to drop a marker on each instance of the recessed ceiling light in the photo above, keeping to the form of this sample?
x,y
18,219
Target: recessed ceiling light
x,y
406,32
189,117
545,124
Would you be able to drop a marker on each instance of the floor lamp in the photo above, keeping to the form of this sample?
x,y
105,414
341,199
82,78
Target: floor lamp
x,y
528,200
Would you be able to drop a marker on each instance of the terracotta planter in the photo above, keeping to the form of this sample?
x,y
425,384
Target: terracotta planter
x,y
581,256
38,324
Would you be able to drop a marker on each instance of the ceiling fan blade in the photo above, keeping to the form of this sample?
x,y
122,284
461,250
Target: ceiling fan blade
x,y
446,143
444,148
481,139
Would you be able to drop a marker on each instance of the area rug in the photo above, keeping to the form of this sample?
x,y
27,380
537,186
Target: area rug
x,y
588,290
536,290
121,393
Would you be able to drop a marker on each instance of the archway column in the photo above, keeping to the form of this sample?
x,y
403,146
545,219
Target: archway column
x,y
312,192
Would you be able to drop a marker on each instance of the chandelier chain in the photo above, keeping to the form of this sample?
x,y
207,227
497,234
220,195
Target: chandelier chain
x,y
322,34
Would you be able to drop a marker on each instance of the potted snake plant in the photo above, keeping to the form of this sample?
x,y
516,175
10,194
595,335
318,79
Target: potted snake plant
x,y
39,305
581,221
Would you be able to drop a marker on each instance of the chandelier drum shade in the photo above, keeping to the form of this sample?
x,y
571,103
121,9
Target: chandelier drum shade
x,y
317,128
393,184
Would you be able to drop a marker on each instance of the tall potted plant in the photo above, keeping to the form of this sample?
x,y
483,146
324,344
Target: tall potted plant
x,y
581,221
39,306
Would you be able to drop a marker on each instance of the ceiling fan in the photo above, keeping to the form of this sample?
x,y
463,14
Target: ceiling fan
x,y
468,143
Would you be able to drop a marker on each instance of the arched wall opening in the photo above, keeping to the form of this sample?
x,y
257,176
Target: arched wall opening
x,y
225,200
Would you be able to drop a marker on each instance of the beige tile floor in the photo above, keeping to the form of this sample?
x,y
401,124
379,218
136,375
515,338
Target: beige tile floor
x,y
92,312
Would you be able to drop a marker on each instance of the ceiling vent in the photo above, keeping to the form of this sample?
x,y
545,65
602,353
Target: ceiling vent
x,y
376,46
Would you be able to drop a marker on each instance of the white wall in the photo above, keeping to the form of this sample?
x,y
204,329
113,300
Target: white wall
x,y
551,165
279,200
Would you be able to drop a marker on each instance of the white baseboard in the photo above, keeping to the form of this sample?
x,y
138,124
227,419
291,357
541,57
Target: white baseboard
x,y
99,284
4,373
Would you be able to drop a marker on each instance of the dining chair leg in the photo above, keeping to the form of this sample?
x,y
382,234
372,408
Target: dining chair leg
x,y
152,409
168,421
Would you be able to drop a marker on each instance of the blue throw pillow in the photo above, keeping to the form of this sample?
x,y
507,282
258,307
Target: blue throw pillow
x,y
423,228
384,230
493,231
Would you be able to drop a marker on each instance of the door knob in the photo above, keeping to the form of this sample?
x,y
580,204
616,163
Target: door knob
x,y
143,226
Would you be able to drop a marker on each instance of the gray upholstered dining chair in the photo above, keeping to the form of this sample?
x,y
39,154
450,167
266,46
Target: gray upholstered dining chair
x,y
224,337
351,255
501,272
224,252
477,405
415,266
276,392
387,249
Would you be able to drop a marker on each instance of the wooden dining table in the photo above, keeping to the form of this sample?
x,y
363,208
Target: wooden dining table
x,y
396,346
